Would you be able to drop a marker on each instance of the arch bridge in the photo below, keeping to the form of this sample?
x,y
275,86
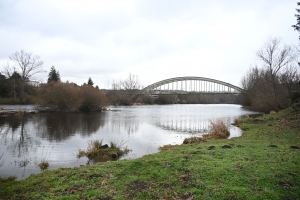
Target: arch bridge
x,y
191,85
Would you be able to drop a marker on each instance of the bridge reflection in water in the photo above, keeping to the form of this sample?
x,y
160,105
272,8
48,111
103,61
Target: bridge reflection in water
x,y
189,126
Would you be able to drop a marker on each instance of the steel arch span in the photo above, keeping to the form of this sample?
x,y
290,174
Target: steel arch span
x,y
189,85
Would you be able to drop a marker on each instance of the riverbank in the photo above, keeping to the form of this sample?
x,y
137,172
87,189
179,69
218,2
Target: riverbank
x,y
12,109
262,164
33,109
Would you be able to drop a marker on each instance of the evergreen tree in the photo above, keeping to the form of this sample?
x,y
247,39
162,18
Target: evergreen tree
x,y
16,83
90,82
53,75
297,26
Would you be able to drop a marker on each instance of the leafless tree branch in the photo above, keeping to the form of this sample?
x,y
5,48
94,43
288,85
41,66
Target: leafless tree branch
x,y
275,58
27,64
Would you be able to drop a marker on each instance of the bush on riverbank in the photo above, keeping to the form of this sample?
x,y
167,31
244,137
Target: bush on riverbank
x,y
43,165
218,130
237,121
192,140
58,96
92,98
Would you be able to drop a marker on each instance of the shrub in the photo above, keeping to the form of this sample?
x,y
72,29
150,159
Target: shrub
x,y
8,179
80,153
167,147
19,113
192,140
60,96
119,147
296,106
218,130
246,116
94,145
139,100
92,98
98,152
43,165
237,121
68,97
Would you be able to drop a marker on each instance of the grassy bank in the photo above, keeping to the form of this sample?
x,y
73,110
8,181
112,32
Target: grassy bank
x,y
262,164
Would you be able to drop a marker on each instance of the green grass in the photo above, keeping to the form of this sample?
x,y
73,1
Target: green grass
x,y
259,165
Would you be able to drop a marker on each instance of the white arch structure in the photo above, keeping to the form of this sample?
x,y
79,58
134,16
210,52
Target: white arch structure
x,y
190,85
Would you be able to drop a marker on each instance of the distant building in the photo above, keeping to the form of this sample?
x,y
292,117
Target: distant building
x,y
33,83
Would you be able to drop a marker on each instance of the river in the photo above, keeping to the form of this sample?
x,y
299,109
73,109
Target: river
x,y
26,139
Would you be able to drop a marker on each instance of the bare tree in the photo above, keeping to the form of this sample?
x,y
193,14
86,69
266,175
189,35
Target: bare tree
x,y
8,70
131,85
116,84
123,91
107,84
274,59
24,64
115,93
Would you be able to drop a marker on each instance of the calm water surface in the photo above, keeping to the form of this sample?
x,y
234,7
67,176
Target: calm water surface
x,y
27,139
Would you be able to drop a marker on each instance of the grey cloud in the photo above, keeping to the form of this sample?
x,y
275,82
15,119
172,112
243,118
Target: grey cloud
x,y
153,39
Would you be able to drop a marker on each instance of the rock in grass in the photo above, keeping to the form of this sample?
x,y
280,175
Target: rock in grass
x,y
104,146
295,147
226,147
114,155
211,147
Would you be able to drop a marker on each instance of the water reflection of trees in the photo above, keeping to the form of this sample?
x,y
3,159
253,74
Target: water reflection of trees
x,y
188,125
61,126
16,135
18,131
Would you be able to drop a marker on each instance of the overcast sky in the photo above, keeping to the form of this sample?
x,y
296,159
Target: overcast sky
x,y
153,39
